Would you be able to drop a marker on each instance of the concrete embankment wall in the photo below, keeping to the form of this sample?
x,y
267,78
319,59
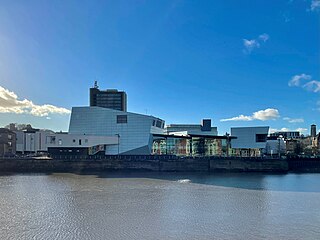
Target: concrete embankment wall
x,y
303,164
152,163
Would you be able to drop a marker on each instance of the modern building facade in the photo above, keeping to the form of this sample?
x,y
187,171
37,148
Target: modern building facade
x,y
191,145
250,141
133,131
110,98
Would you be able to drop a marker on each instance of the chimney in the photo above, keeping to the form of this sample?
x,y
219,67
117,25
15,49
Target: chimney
x,y
313,132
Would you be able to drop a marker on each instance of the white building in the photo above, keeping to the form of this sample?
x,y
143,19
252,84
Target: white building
x,y
133,131
250,141
32,141
77,144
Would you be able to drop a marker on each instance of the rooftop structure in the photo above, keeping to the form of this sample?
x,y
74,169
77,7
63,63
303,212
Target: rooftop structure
x,y
200,129
110,98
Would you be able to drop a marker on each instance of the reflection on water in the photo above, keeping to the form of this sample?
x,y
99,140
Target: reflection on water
x,y
160,206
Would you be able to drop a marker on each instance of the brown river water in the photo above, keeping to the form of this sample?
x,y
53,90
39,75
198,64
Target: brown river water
x,y
148,205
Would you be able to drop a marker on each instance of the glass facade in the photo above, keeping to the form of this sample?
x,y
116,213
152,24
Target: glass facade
x,y
193,146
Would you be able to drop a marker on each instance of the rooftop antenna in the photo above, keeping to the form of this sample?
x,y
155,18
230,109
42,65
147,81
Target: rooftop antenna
x,y
95,84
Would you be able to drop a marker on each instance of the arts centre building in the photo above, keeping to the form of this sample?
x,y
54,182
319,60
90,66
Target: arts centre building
x,y
106,128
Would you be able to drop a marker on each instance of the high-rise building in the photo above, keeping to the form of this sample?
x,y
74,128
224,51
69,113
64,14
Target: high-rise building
x,y
110,98
313,130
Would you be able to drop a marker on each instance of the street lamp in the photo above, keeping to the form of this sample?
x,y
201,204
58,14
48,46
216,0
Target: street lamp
x,y
118,135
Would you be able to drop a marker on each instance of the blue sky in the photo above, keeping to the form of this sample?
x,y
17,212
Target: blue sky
x,y
241,63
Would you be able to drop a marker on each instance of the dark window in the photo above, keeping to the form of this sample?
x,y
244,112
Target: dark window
x,y
74,140
79,141
153,123
122,119
159,124
261,137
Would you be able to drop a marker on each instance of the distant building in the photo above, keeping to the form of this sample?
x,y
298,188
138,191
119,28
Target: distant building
x,y
275,146
286,134
250,141
313,130
110,98
7,142
196,129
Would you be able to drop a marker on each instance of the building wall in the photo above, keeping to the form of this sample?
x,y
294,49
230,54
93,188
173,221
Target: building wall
x,y
7,142
79,140
32,141
246,137
136,133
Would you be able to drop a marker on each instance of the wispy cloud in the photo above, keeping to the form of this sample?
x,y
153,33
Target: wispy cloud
x,y
252,44
294,120
262,115
296,79
315,5
304,80
10,103
312,86
264,37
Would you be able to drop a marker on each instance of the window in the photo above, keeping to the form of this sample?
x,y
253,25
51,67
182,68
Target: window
x,y
79,141
60,142
9,136
122,119
261,137
52,140
74,140
153,123
159,124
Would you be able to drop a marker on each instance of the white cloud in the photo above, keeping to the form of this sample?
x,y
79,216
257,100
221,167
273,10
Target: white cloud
x,y
315,4
296,80
262,115
302,130
9,103
264,37
313,86
239,118
252,44
294,120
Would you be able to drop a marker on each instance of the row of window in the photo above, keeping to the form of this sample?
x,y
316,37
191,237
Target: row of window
x,y
158,123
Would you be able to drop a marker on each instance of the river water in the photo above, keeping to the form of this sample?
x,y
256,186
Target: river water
x,y
160,206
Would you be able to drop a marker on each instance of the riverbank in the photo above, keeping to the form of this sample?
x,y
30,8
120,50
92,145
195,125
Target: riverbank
x,y
150,163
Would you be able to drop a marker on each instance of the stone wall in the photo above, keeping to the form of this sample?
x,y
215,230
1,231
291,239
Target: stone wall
x,y
143,163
